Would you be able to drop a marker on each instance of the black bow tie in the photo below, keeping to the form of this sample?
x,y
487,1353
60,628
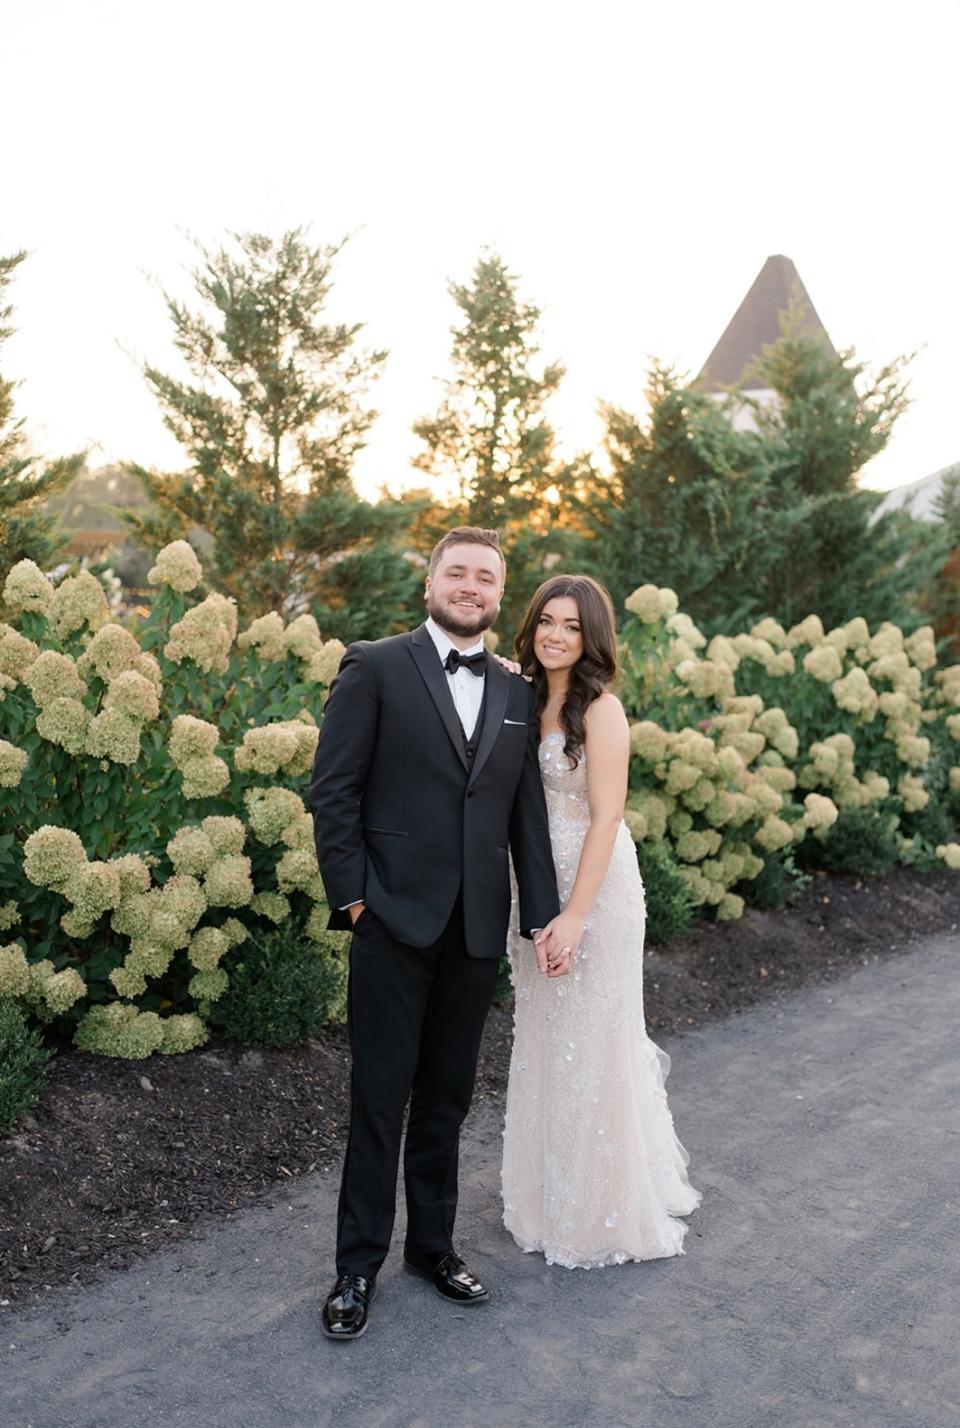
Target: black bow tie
x,y
475,663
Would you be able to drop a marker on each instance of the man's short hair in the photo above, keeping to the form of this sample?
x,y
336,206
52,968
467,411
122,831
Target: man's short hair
x,y
466,535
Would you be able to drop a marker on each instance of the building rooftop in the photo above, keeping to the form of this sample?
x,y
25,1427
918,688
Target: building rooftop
x,y
920,497
756,324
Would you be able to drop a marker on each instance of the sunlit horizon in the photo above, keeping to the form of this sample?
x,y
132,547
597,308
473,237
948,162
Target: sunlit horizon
x,y
638,170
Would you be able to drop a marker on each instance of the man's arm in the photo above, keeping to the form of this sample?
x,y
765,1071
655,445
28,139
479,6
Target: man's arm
x,y
344,750
530,839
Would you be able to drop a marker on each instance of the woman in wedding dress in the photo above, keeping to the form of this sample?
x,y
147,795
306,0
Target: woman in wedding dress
x,y
593,1172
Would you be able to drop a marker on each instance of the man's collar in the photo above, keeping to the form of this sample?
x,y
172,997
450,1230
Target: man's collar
x,y
444,643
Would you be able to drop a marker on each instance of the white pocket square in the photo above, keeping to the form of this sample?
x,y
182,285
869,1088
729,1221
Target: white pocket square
x,y
521,723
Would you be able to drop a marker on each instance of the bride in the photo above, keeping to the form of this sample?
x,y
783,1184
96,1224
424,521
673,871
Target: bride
x,y
593,1172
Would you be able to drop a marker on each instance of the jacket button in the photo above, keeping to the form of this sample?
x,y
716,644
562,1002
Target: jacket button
x,y
469,792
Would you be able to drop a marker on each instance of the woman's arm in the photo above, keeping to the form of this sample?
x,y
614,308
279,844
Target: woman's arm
x,y
608,754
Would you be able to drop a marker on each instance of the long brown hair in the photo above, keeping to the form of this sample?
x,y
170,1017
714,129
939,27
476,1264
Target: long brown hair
x,y
594,670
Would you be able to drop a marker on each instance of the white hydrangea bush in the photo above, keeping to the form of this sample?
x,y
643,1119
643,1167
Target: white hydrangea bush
x,y
152,813
746,745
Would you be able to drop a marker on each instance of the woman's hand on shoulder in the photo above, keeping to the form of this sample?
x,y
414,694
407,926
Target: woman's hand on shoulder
x,y
511,666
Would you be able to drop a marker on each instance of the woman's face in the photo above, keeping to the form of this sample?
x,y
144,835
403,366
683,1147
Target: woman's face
x,y
557,641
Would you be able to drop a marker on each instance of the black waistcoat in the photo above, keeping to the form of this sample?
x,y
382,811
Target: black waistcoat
x,y
471,745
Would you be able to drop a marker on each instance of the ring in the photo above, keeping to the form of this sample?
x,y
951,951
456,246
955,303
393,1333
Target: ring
x,y
564,949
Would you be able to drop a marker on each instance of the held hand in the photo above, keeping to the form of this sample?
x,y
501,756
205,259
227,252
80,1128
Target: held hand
x,y
355,910
558,942
560,968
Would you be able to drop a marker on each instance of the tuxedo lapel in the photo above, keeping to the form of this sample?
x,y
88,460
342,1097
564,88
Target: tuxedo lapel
x,y
498,687
425,656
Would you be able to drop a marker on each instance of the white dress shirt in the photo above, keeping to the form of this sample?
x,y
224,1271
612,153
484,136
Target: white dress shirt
x,y
465,686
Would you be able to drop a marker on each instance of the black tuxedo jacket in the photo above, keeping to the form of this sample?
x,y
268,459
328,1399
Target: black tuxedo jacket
x,y
403,820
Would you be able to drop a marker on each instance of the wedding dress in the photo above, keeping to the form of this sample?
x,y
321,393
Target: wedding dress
x,y
593,1172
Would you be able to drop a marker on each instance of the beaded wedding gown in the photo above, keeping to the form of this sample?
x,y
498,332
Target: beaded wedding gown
x,y
593,1172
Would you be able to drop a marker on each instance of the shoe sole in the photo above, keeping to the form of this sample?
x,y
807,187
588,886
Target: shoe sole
x,y
344,1338
447,1298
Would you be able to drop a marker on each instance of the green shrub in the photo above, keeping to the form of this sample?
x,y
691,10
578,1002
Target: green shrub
x,y
160,774
24,1063
504,987
670,910
862,841
776,886
283,989
934,824
160,769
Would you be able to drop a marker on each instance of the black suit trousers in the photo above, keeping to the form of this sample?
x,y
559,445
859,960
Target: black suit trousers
x,y
415,1017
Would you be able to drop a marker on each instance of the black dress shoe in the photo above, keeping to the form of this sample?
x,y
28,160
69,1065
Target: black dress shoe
x,y
449,1276
345,1313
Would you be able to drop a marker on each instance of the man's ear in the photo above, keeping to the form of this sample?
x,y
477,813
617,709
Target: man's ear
x,y
427,585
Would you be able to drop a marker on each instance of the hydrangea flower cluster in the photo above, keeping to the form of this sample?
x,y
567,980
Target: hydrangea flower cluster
x,y
950,853
205,635
52,855
13,761
53,676
177,566
119,1029
46,992
192,745
287,746
27,588
271,642
266,636
322,665
302,637
17,653
58,687
79,602
271,811
650,604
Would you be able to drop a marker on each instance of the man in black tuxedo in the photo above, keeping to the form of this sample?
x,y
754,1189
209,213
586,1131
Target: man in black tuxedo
x,y
426,772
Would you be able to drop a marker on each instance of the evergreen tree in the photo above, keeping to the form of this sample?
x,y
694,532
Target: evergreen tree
x,y
940,597
490,444
271,423
834,553
26,532
676,506
767,520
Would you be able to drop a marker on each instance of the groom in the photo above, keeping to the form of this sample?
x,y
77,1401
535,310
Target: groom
x,y
426,772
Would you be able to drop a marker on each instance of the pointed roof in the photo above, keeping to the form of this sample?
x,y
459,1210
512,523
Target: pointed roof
x,y
756,324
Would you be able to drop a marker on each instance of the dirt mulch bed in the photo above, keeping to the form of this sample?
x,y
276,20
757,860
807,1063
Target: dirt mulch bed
x,y
122,1157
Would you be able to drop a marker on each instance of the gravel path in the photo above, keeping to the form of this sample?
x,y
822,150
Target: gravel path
x,y
820,1287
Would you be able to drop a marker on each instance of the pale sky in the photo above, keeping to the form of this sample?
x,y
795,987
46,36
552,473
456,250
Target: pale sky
x,y
633,163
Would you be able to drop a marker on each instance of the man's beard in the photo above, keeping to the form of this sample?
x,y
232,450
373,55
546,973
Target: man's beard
x,y
456,623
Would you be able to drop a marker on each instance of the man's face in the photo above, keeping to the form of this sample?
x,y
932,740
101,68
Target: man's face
x,y
463,595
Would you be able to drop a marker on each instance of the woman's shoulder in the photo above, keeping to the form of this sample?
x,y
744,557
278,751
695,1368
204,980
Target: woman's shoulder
x,y
605,714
